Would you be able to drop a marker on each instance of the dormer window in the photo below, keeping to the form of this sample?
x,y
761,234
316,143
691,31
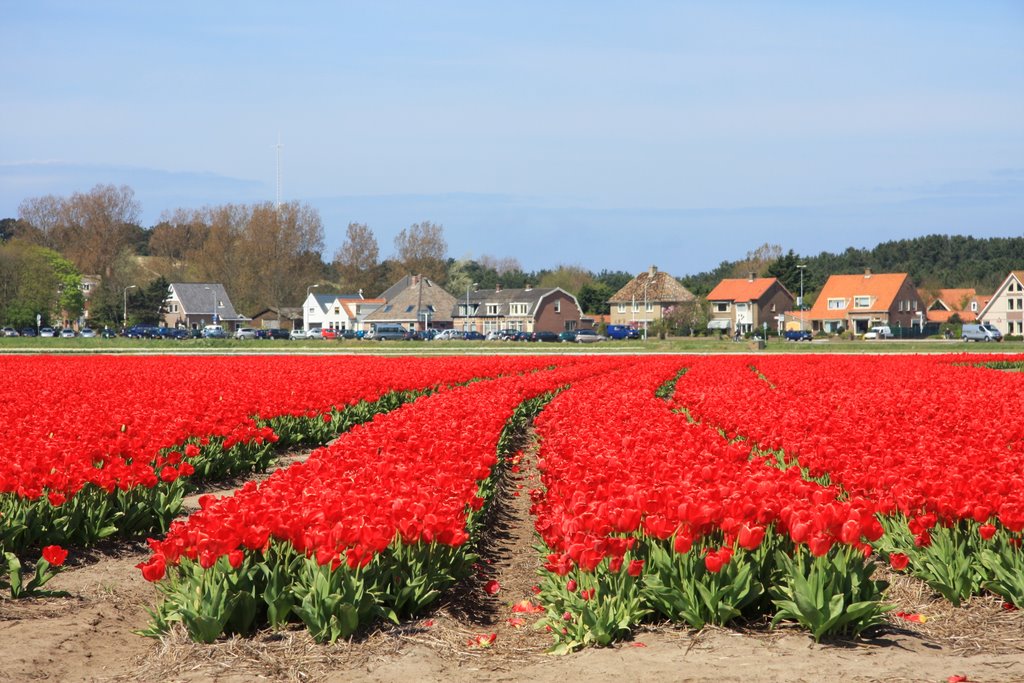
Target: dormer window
x,y
836,304
861,301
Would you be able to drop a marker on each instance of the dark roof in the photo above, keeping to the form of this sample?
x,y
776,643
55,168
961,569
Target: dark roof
x,y
504,297
419,297
197,298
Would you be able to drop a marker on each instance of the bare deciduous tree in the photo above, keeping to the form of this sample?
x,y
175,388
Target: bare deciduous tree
x,y
422,250
357,260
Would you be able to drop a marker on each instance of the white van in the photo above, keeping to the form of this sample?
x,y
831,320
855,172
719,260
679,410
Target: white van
x,y
879,332
985,332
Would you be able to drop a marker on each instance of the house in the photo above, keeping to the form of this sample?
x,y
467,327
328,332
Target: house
x,y
416,303
195,304
748,304
945,303
1005,309
529,309
337,311
274,318
648,297
858,302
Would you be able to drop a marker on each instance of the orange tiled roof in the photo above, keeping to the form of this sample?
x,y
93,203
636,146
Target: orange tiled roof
x,y
741,289
881,287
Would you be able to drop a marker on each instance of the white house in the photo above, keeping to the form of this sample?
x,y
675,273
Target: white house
x,y
337,311
1005,309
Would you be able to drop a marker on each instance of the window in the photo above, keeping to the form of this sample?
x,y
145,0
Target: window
x,y
974,306
518,309
492,309
430,307
1009,304
558,305
408,309
636,307
622,308
836,304
721,307
650,307
914,303
862,302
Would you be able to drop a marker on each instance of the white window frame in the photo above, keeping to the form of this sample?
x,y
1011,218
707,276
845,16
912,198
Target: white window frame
x,y
862,301
837,304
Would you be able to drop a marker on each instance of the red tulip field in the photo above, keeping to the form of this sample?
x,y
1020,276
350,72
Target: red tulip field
x,y
663,497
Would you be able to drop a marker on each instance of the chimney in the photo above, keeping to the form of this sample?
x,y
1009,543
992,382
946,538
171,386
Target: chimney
x,y
750,276
653,271
867,273
497,288
528,287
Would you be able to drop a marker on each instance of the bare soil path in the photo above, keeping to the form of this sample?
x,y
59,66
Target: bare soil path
x,y
89,635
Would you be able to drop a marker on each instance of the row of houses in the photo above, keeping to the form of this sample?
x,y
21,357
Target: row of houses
x,y
856,303
847,303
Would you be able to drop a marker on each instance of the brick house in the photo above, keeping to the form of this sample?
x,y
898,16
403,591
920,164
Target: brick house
x,y
528,310
858,302
193,305
747,304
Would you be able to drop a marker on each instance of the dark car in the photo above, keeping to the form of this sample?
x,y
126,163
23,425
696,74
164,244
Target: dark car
x,y
108,333
567,336
473,336
142,332
276,333
28,332
171,333
799,335
544,337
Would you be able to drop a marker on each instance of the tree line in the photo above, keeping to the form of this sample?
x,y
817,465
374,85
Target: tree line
x,y
267,255
933,262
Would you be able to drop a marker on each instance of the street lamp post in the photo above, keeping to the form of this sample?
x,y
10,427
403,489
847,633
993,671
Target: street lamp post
x,y
801,267
646,284
125,318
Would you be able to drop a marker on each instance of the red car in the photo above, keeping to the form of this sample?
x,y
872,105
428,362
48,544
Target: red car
x,y
328,333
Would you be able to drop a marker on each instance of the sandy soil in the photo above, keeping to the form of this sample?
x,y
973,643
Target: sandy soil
x,y
88,636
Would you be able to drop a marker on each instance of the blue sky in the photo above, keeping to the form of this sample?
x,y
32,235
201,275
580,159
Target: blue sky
x,y
609,135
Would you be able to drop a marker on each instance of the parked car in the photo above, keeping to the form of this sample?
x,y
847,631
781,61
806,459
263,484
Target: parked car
x,y
386,331
588,337
567,336
315,333
28,332
171,333
143,332
67,333
798,335
87,333
277,333
448,335
472,336
984,332
297,333
245,333
9,332
622,332
879,332
47,332
545,337
108,333
351,334
328,333
214,332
